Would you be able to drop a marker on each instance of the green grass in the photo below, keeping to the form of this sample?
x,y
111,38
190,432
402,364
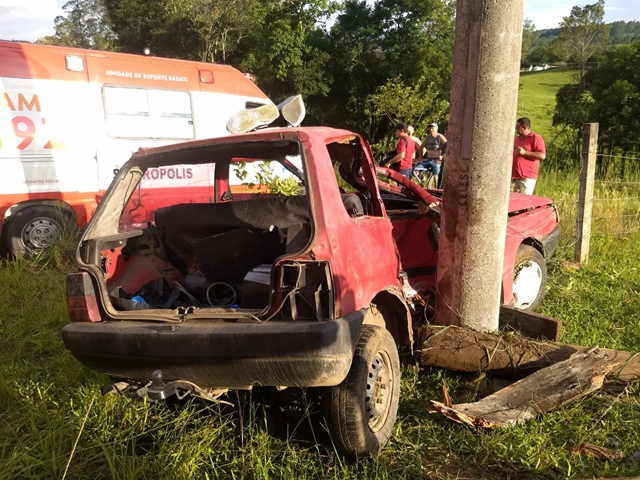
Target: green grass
x,y
53,420
48,401
537,97
600,302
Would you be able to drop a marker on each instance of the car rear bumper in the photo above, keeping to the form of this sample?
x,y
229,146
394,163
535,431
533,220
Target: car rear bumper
x,y
220,354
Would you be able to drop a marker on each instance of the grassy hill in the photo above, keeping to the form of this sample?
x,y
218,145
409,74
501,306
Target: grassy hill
x,y
537,97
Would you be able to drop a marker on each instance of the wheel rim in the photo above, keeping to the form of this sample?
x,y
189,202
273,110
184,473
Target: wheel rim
x,y
39,233
379,391
526,284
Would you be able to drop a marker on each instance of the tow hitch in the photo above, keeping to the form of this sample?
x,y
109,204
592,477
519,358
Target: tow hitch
x,y
158,390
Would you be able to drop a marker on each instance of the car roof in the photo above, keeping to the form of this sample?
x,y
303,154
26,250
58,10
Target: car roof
x,y
317,134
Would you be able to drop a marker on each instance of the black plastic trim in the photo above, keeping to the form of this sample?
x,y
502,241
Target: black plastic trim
x,y
218,353
550,242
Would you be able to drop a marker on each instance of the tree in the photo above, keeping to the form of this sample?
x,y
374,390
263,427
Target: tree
x,y
390,53
285,48
609,95
84,25
205,30
139,24
379,62
617,32
398,101
584,32
573,109
615,87
529,35
545,54
218,25
355,39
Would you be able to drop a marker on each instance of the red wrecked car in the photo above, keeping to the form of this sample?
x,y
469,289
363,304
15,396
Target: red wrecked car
x,y
533,234
309,283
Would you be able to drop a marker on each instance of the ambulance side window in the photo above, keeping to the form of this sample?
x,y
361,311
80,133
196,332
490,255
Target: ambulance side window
x,y
148,113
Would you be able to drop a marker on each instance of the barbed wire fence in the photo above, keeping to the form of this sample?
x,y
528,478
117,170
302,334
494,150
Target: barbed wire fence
x,y
609,205
616,201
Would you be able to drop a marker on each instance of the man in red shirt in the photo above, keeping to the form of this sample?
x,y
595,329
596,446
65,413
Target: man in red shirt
x,y
528,151
405,148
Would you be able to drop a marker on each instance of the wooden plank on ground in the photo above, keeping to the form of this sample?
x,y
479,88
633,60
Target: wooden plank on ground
x,y
508,356
529,324
540,392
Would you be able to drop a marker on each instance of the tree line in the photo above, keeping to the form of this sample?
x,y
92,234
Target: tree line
x,y
544,45
606,88
609,94
358,64
366,65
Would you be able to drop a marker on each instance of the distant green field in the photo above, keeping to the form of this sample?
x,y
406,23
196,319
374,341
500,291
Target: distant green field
x,y
537,97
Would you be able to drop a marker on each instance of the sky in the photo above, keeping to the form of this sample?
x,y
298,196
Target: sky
x,y
548,13
31,19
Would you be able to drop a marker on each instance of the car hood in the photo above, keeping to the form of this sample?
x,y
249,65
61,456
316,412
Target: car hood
x,y
521,201
517,201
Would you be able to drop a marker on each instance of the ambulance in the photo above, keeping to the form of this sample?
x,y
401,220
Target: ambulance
x,y
69,118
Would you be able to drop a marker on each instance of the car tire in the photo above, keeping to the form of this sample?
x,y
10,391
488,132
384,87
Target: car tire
x,y
529,278
361,411
34,228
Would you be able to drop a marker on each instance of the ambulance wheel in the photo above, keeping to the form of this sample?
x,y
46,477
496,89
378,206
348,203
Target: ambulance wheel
x,y
35,228
361,411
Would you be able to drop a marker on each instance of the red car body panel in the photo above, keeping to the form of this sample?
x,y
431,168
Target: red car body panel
x,y
531,220
339,238
363,254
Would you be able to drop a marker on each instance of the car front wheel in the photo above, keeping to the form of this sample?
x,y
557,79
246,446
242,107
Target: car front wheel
x,y
529,278
361,411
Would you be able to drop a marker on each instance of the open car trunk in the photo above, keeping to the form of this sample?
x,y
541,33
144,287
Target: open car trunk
x,y
202,235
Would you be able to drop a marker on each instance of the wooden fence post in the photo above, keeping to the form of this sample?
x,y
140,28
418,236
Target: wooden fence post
x,y
585,196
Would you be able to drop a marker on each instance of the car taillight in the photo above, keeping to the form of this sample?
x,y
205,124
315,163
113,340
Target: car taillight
x,y
81,298
308,288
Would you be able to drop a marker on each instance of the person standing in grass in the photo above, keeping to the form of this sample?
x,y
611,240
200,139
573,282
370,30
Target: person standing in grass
x,y
528,151
405,148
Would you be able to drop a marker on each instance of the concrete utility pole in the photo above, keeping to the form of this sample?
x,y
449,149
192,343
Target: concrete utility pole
x,y
484,95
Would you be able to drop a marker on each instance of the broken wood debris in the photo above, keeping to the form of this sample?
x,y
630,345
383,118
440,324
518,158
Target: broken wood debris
x,y
542,391
507,355
445,395
529,324
594,451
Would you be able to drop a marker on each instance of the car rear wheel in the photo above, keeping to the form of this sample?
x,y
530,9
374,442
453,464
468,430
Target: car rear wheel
x,y
529,278
34,228
361,411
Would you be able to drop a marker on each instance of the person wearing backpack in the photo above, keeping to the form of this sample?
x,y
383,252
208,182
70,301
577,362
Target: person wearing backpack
x,y
405,148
